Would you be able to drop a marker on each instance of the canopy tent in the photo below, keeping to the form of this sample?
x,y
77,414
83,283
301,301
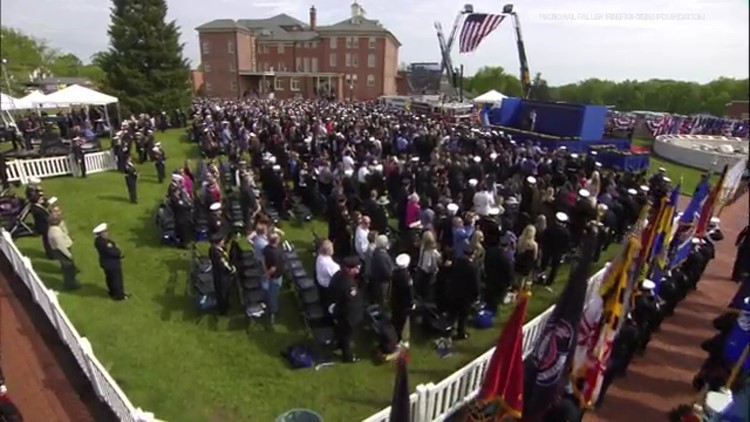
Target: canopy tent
x,y
77,95
8,103
37,100
490,96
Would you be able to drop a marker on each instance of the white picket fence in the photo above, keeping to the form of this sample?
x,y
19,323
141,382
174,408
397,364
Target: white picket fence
x,y
64,165
437,402
106,388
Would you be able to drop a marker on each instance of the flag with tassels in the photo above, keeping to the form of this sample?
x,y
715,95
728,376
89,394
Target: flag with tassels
x,y
707,212
648,237
548,366
680,245
664,233
501,394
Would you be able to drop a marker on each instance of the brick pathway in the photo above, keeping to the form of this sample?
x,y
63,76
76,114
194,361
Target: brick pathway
x,y
42,377
661,379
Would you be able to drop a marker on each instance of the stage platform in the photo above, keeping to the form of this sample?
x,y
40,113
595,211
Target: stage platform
x,y
555,142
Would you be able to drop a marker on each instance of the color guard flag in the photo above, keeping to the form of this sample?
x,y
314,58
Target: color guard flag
x,y
477,26
680,245
743,291
739,338
400,403
708,207
501,394
663,237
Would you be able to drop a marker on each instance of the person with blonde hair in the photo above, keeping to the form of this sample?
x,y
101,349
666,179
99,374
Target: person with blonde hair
x,y
476,244
527,254
428,265
594,186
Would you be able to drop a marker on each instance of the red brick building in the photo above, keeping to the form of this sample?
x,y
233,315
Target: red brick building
x,y
354,58
738,110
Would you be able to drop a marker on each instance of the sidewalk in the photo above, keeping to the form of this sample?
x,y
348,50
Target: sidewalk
x,y
42,377
661,379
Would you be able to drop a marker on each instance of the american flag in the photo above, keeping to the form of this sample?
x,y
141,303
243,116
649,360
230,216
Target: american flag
x,y
476,27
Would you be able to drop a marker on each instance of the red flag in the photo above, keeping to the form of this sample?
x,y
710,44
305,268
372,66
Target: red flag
x,y
501,394
708,207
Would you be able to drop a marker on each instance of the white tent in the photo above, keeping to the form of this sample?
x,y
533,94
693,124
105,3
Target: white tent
x,y
77,95
37,100
8,103
490,96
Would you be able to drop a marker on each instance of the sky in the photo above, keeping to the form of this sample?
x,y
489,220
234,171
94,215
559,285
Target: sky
x,y
567,41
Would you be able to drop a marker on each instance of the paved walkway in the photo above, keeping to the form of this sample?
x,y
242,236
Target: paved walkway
x,y
661,379
42,377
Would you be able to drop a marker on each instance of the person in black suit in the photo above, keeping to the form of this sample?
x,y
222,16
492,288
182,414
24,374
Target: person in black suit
x,y
110,260
498,267
556,243
401,295
462,289
41,223
348,309
374,208
223,271
131,176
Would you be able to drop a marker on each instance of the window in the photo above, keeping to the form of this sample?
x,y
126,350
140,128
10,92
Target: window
x,y
280,48
233,86
370,80
314,65
294,84
332,60
206,47
278,84
209,88
348,60
349,42
355,42
371,60
372,43
333,42
298,64
232,67
230,47
264,48
306,61
207,68
282,67
355,60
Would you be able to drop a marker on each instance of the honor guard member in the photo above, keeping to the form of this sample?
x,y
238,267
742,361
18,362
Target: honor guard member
x,y
347,307
401,295
131,176
182,209
158,157
490,227
79,156
216,222
41,222
556,243
34,191
110,260
645,313
223,271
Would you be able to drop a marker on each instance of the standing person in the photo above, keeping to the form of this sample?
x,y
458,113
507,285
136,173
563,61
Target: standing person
x,y
348,310
110,258
527,254
462,290
158,157
555,243
223,271
427,267
60,244
742,261
41,222
131,176
79,156
401,297
380,270
325,269
273,266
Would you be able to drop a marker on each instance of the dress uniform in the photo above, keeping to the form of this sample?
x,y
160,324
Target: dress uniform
x,y
347,307
401,296
79,156
217,225
131,176
555,243
223,271
110,258
158,157
645,313
41,223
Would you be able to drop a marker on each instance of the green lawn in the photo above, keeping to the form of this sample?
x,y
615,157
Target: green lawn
x,y
186,369
690,176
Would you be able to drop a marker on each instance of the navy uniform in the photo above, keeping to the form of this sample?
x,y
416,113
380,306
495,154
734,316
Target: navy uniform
x,y
223,271
131,176
348,309
217,225
110,258
556,243
401,295
158,157
645,313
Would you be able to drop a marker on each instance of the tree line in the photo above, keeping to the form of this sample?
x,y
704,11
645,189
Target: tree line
x,y
652,95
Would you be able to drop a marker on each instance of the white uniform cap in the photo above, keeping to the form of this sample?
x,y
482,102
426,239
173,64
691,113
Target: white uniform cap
x,y
155,149
531,180
276,167
563,148
158,144
473,182
272,159
668,180
695,241
414,159
452,208
100,228
403,260
477,159
645,188
378,168
493,156
34,180
632,191
52,201
648,285
573,155
216,206
493,211
662,170
348,172
583,193
594,153
562,217
602,207
415,225
176,177
714,220
718,401
511,201
597,164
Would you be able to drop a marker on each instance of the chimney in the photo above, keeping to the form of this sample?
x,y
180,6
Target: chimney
x,y
313,18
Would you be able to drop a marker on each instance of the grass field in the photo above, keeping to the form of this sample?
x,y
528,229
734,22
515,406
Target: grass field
x,y
689,176
184,368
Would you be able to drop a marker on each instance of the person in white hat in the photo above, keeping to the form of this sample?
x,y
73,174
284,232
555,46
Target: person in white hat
x,y
556,242
401,298
110,260
131,176
483,200
34,192
158,157
60,244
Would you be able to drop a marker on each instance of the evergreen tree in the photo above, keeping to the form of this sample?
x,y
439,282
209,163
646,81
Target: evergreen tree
x,y
144,65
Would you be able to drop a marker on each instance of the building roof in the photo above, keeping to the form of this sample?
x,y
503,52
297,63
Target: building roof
x,y
63,80
283,27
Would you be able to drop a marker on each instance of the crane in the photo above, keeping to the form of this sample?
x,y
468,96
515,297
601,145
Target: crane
x,y
524,64
446,46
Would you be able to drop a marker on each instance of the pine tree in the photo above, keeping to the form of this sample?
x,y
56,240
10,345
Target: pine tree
x,y
144,65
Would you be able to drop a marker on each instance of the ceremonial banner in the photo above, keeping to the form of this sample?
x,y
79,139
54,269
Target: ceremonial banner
x,y
739,338
548,365
680,246
708,207
400,404
743,291
501,394
733,181
663,237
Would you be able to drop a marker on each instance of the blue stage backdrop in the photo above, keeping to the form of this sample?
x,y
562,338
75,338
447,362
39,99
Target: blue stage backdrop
x,y
594,120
